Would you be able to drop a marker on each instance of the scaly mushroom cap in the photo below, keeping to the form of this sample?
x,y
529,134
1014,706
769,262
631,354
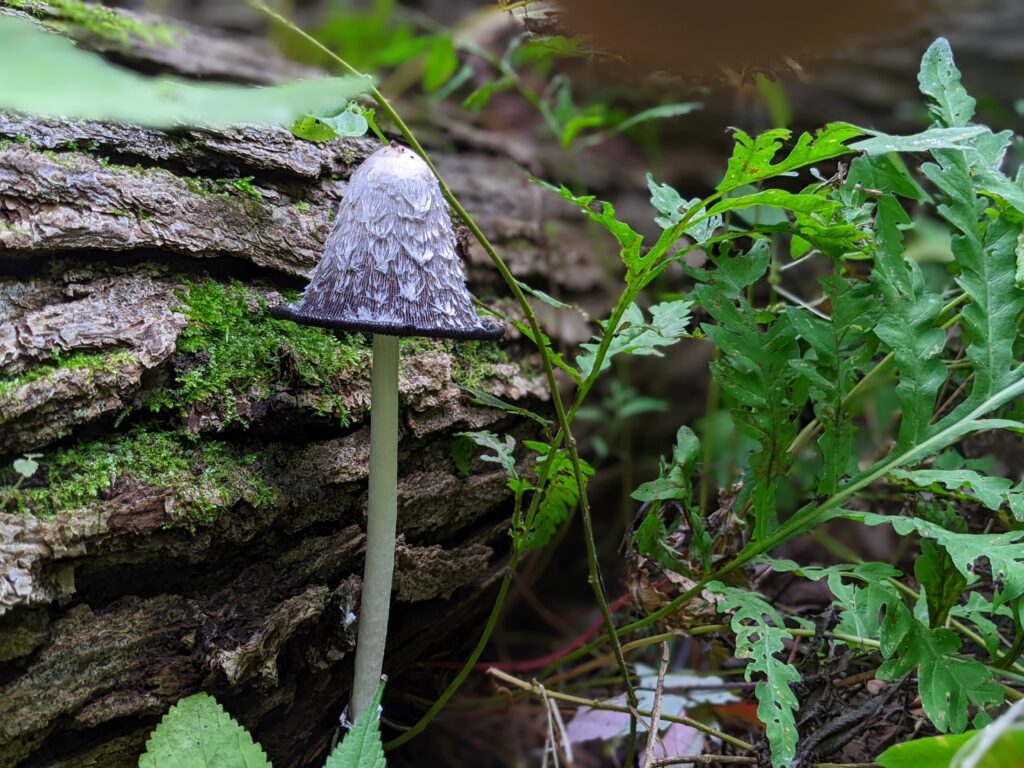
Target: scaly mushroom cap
x,y
390,265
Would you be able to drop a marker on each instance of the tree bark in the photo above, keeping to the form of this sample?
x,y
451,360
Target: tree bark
x,y
240,574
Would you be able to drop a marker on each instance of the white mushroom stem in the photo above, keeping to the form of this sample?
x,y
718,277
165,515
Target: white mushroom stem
x,y
382,514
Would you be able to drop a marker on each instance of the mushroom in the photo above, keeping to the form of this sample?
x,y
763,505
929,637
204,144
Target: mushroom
x,y
390,268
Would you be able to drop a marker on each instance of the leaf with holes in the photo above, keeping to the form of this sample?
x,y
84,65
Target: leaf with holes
x,y
760,635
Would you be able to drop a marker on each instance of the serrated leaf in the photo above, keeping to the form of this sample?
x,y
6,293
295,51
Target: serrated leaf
x,y
942,584
1004,551
58,79
362,746
198,733
977,612
987,256
603,213
948,685
673,207
756,375
907,325
561,495
503,454
753,159
991,491
637,335
887,173
926,141
779,198
951,106
676,476
863,594
760,635
837,353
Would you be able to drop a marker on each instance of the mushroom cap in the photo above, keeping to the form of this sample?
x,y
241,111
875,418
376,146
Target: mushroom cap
x,y
390,264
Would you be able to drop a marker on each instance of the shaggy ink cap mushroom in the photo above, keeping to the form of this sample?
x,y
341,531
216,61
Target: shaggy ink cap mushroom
x,y
390,268
390,265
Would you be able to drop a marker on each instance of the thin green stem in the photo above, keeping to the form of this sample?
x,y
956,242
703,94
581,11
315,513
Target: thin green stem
x,y
381,517
474,657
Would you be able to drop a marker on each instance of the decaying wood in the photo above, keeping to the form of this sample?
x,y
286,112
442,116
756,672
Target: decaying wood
x,y
113,610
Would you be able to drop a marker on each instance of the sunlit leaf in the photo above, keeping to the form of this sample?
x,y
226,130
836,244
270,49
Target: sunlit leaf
x,y
57,79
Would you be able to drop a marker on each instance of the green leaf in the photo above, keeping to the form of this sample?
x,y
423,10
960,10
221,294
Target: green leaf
x,y
486,398
991,491
676,476
312,128
753,159
1004,551
871,607
198,733
552,46
987,256
933,752
479,98
27,465
638,336
672,208
980,749
863,594
442,62
57,79
503,454
948,685
837,352
561,495
763,388
779,198
951,106
362,746
926,141
661,112
907,325
942,583
977,612
760,635
885,173
350,122
603,213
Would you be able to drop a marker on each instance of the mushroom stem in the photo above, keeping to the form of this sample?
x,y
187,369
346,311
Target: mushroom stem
x,y
381,519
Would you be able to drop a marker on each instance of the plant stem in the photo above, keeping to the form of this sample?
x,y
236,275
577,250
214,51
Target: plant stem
x,y
595,704
456,683
381,519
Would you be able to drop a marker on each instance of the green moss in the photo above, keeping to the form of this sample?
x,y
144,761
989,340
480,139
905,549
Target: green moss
x,y
234,349
476,361
245,187
94,362
101,20
205,476
302,207
201,185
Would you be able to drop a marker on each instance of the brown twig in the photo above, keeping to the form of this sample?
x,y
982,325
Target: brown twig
x,y
535,689
652,734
